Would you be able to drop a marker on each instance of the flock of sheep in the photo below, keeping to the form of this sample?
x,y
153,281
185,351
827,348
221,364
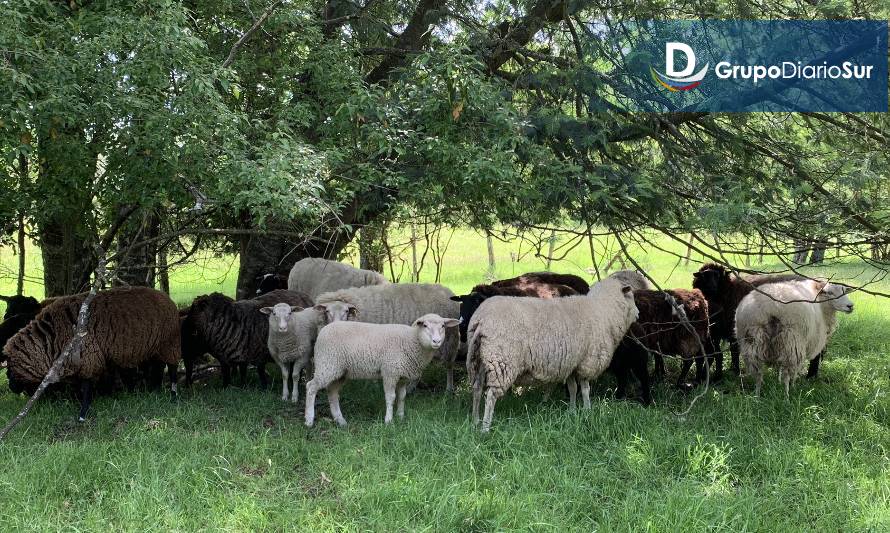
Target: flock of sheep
x,y
346,323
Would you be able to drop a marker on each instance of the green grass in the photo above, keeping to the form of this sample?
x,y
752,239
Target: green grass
x,y
240,459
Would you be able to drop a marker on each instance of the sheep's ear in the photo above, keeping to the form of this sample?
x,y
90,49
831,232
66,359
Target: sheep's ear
x,y
456,298
295,309
353,311
697,274
626,289
452,322
5,298
266,310
320,307
418,323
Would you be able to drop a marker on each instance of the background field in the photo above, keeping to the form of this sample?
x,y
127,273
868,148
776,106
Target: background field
x,y
240,459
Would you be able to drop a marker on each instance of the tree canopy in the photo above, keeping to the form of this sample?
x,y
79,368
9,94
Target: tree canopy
x,y
280,128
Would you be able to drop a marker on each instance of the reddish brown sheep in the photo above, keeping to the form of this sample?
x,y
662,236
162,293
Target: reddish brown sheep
x,y
665,334
128,328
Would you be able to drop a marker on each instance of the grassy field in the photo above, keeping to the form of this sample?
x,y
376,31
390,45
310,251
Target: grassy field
x,y
240,459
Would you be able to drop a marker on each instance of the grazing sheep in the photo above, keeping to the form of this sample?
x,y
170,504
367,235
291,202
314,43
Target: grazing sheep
x,y
632,357
786,325
233,332
633,279
724,291
394,353
292,334
314,276
470,302
128,327
513,340
664,332
401,303
270,282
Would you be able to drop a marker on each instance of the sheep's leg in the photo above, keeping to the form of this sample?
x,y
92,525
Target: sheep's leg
x,y
659,365
734,355
400,400
334,401
477,396
264,377
490,399
86,398
585,393
189,370
717,357
813,370
449,380
573,391
285,374
296,370
226,374
242,373
758,382
640,369
785,376
309,411
389,391
173,372
687,364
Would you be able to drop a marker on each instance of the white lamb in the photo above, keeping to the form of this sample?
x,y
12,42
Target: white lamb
x,y
786,325
394,353
292,334
516,340
402,303
313,276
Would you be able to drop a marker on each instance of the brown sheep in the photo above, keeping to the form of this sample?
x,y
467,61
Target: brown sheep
x,y
664,333
128,327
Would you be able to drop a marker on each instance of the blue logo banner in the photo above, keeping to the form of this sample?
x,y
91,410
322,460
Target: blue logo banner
x,y
740,65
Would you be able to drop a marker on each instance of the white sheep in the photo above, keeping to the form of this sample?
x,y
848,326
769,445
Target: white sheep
x,y
516,340
786,325
633,279
292,334
402,303
314,276
394,353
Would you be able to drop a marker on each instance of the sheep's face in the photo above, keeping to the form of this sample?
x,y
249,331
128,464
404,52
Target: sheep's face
x,y
431,330
628,294
469,303
279,316
836,295
707,281
337,311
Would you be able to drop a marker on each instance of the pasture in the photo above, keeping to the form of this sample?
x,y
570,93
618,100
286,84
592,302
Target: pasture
x,y
241,459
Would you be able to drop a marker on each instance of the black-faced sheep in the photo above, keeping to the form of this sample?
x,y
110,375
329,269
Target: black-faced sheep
x,y
314,276
394,353
19,311
128,327
786,325
724,291
514,340
664,332
235,333
401,303
270,282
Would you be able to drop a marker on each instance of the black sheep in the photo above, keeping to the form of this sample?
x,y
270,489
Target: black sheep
x,y
233,332
267,283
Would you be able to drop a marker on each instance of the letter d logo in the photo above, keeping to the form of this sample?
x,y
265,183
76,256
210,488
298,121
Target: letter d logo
x,y
669,50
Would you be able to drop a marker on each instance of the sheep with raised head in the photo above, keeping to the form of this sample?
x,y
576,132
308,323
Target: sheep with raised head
x,y
515,340
235,333
292,334
724,291
786,325
394,353
128,327
401,303
314,276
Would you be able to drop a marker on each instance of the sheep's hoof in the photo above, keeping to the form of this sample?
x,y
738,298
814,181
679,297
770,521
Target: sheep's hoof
x,y
687,386
81,419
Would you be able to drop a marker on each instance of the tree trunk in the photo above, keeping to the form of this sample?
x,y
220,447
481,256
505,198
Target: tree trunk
x,y
491,265
818,255
370,247
163,274
64,228
137,266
